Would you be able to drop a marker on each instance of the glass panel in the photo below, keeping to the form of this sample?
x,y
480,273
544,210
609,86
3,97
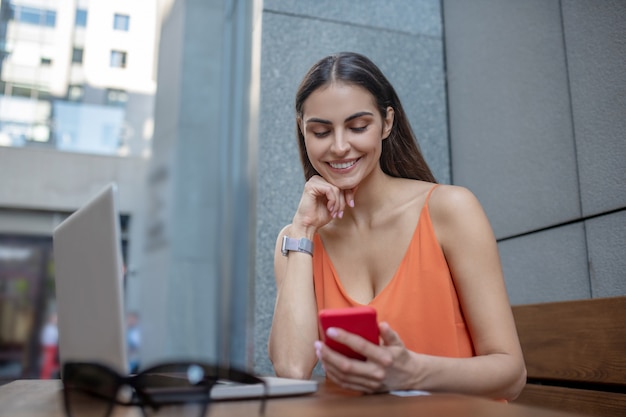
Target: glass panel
x,y
81,18
116,97
33,15
26,289
121,22
118,59
77,55
75,92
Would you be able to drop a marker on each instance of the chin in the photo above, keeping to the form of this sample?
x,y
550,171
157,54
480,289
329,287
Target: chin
x,y
342,184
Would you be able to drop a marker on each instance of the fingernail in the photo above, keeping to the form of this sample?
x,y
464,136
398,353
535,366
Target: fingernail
x,y
332,332
341,214
351,203
318,351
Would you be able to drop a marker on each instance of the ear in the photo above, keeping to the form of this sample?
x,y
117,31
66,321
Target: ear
x,y
388,122
299,124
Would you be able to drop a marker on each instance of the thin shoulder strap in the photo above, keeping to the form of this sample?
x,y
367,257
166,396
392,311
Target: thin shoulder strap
x,y
429,193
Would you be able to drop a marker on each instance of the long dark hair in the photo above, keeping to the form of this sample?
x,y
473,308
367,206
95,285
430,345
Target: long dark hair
x,y
400,156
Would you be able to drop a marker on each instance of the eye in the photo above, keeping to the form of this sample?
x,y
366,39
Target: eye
x,y
321,134
359,129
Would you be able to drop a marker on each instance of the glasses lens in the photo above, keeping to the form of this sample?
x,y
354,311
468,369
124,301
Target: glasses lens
x,y
192,382
174,384
89,390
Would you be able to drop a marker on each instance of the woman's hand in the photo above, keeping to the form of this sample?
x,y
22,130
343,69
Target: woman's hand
x,y
320,203
387,367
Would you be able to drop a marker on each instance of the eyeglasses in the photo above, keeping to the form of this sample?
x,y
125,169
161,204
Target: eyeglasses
x,y
93,389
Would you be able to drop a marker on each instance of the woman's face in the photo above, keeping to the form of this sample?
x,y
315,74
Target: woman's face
x,y
343,133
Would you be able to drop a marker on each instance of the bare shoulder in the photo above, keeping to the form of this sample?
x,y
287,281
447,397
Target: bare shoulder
x,y
455,211
452,200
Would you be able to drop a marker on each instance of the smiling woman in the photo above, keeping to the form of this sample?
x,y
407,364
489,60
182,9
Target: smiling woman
x,y
373,228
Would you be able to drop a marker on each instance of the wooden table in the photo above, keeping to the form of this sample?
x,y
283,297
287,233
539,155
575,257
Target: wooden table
x,y
39,398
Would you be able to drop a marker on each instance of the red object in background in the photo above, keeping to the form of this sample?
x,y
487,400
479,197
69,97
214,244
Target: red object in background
x,y
50,364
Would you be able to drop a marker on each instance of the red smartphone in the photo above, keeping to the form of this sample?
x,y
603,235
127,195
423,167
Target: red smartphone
x,y
358,320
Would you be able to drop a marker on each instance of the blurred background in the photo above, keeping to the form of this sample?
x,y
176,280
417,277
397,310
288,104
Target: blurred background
x,y
188,106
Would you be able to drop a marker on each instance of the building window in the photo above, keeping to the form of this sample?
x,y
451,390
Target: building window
x,y
77,55
33,15
20,91
118,59
45,62
121,22
75,92
116,97
81,18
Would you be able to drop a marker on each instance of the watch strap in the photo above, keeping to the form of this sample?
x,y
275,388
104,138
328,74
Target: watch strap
x,y
296,245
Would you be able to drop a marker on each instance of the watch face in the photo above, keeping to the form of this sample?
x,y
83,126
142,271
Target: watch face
x,y
283,248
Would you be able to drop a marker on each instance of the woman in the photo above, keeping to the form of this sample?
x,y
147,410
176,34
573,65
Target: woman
x,y
373,228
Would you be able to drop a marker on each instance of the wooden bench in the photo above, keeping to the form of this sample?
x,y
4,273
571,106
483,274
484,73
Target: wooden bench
x,y
575,354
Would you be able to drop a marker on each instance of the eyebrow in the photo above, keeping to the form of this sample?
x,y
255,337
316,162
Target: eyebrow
x,y
328,122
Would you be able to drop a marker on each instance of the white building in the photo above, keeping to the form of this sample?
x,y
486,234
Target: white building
x,y
98,53
77,86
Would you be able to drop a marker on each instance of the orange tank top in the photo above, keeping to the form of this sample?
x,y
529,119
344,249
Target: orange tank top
x,y
420,302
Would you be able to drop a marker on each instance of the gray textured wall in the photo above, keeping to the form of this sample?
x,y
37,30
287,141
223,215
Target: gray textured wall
x,y
536,100
537,105
403,37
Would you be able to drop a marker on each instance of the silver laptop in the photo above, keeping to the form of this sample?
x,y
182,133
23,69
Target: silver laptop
x,y
88,275
89,292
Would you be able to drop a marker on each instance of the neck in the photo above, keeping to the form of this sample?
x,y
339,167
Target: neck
x,y
372,197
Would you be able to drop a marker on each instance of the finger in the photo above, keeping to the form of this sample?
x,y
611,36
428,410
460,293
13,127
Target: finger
x,y
389,336
349,196
353,341
350,373
335,200
341,204
320,187
352,382
317,188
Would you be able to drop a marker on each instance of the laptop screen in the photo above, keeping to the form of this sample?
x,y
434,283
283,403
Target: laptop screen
x,y
88,275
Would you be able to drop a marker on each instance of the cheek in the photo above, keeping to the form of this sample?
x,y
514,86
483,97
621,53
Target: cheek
x,y
372,142
313,142
313,149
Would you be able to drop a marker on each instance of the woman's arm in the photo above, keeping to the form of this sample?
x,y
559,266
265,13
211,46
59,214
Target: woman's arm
x,y
294,326
471,251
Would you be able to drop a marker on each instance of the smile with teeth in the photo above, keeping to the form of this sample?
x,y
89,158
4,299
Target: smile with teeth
x,y
342,165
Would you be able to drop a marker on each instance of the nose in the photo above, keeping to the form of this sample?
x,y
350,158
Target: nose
x,y
340,144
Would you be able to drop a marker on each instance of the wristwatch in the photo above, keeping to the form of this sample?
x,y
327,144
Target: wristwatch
x,y
298,245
